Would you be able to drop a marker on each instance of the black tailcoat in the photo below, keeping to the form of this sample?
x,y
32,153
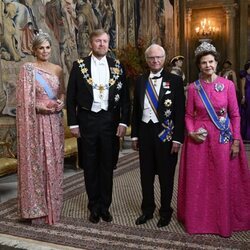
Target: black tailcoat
x,y
155,156
98,130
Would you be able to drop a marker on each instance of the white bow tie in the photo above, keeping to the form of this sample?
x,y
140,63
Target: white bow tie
x,y
157,75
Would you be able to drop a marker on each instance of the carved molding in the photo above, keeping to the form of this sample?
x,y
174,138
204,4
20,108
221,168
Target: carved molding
x,y
203,4
230,10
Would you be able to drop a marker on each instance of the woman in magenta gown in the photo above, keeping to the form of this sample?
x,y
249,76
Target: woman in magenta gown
x,y
214,177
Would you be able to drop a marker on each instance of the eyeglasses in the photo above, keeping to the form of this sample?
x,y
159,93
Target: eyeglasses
x,y
152,58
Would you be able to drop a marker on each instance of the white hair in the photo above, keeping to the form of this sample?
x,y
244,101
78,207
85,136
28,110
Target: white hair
x,y
154,45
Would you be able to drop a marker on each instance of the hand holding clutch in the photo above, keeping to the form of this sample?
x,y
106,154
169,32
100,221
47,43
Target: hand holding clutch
x,y
199,136
202,134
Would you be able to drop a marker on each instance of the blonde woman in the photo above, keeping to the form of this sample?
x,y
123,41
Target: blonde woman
x,y
40,95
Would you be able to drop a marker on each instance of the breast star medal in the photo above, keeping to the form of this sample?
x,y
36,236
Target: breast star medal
x,y
168,103
167,113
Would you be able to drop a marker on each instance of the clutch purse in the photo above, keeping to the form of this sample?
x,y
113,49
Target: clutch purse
x,y
202,134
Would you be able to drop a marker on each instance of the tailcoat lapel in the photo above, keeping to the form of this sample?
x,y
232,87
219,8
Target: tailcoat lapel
x,y
111,76
143,92
87,62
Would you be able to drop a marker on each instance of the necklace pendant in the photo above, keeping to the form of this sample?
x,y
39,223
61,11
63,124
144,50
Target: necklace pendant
x,y
101,88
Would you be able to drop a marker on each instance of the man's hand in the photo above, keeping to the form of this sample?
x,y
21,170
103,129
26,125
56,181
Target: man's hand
x,y
121,131
75,132
175,147
135,145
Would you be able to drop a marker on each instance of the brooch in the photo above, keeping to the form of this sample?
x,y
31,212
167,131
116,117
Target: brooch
x,y
219,87
166,85
117,97
168,103
222,111
222,120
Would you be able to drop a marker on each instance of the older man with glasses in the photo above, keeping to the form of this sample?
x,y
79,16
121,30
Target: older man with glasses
x,y
157,132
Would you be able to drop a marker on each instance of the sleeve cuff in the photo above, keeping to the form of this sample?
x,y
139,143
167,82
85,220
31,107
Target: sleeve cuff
x,y
134,138
74,126
123,124
177,142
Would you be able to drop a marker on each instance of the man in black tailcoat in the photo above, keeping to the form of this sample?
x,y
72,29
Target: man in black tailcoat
x,y
98,109
157,132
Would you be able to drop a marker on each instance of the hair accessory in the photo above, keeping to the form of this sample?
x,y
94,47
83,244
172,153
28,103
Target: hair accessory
x,y
176,58
204,46
40,32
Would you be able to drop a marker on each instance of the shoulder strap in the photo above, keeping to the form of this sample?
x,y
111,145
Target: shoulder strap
x,y
222,125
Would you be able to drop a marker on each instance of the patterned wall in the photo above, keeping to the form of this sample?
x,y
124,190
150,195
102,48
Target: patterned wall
x,y
69,23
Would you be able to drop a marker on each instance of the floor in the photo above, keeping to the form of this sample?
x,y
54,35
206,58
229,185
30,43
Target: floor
x,y
8,184
8,190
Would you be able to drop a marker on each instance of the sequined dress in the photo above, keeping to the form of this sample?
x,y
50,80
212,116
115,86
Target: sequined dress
x,y
213,189
40,149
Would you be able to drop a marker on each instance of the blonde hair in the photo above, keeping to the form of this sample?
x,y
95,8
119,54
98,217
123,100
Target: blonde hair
x,y
96,33
40,38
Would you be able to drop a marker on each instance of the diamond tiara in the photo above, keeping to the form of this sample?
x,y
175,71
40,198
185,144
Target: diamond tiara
x,y
204,46
40,32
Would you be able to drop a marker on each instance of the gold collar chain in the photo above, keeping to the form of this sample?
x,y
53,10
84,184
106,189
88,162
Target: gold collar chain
x,y
115,71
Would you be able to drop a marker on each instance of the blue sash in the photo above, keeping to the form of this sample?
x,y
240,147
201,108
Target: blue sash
x,y
223,124
152,96
166,134
45,86
167,125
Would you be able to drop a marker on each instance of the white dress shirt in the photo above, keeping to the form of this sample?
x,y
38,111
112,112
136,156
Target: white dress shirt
x,y
148,113
100,75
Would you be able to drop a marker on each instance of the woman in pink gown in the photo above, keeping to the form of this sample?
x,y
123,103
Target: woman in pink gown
x,y
214,177
40,95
